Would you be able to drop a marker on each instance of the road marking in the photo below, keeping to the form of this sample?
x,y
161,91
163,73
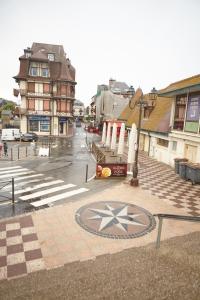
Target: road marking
x,y
27,177
49,191
58,197
38,186
13,171
16,174
9,168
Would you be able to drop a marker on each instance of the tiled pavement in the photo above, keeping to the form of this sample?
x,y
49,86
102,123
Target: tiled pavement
x,y
51,237
162,181
20,251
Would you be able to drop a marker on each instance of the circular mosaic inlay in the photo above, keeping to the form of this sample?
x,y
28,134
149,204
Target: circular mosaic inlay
x,y
113,219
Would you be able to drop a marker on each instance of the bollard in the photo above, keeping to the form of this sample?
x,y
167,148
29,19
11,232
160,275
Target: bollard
x,y
26,151
86,175
18,152
13,190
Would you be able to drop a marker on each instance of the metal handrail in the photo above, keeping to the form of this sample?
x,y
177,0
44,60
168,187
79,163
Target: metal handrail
x,y
174,217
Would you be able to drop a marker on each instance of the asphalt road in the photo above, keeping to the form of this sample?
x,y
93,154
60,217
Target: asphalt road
x,y
69,158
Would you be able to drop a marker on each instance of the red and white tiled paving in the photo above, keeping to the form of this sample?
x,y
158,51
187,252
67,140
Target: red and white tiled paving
x,y
20,251
162,181
51,237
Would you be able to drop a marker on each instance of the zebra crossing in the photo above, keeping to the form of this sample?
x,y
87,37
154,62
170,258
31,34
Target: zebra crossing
x,y
36,189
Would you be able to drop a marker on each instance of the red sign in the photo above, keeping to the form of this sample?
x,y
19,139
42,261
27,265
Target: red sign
x,y
111,170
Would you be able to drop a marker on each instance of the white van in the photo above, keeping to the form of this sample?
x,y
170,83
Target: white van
x,y
10,134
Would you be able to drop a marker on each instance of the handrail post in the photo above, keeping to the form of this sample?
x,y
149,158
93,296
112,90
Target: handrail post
x,y
11,154
13,190
159,232
86,175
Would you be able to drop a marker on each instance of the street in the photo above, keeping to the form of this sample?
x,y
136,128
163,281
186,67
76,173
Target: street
x,y
40,182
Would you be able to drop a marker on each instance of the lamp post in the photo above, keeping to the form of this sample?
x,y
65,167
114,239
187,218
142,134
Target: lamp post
x,y
134,181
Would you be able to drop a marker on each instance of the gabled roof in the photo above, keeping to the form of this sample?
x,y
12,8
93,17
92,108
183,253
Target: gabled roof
x,y
183,86
159,119
127,111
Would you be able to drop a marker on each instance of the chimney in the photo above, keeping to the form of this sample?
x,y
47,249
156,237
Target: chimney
x,y
27,52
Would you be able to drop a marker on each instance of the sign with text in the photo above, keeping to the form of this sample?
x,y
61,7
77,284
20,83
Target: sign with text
x,y
111,170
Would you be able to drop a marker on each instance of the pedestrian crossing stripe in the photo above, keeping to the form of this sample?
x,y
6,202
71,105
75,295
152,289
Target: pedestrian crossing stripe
x,y
29,176
15,174
45,184
58,197
49,191
13,171
8,168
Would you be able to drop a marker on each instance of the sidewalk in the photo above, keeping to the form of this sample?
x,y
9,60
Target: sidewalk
x,y
51,237
65,243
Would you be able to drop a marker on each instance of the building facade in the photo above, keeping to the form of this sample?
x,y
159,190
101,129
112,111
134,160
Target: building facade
x,y
185,118
78,110
46,82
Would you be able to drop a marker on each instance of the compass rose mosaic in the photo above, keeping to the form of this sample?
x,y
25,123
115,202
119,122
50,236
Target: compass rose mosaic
x,y
113,219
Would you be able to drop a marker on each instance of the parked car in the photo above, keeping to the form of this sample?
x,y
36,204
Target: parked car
x,y
29,137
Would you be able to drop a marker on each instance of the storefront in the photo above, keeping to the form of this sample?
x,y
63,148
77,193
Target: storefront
x,y
63,125
39,124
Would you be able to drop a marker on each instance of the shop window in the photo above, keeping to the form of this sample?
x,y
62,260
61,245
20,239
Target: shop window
x,y
45,125
31,87
46,105
162,142
33,125
31,104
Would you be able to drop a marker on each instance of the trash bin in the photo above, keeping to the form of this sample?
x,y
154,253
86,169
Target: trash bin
x,y
193,172
176,163
182,169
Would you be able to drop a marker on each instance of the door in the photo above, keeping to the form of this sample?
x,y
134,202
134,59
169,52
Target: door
x,y
190,153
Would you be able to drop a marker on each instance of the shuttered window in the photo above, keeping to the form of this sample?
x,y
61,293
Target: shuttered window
x,y
46,105
46,88
31,87
31,104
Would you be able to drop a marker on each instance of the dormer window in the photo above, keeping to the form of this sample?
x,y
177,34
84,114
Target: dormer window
x,y
51,56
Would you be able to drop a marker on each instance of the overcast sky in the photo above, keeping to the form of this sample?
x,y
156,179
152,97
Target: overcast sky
x,y
144,43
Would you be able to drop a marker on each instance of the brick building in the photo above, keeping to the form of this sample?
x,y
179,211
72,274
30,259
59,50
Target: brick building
x,y
46,82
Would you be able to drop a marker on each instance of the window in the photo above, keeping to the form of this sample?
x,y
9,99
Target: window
x,y
33,71
31,87
61,106
72,90
45,125
31,104
45,72
51,56
46,105
174,146
63,90
180,112
33,125
162,142
46,88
